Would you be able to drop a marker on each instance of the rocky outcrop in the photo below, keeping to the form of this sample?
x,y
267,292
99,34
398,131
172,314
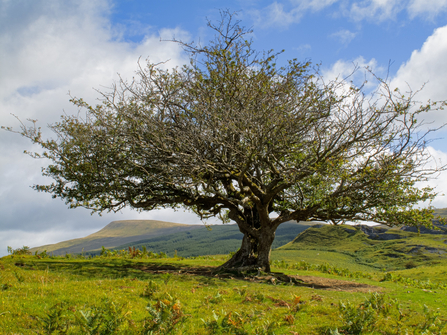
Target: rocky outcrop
x,y
423,230
378,233
423,248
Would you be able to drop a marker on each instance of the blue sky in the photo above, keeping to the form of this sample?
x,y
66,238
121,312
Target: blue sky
x,y
51,47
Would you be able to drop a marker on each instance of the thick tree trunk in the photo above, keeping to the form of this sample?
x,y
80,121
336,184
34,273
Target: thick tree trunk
x,y
254,253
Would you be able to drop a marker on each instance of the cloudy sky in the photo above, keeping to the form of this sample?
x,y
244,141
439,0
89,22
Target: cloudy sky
x,y
52,48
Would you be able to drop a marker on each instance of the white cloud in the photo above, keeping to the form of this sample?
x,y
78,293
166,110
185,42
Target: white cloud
x,y
427,66
344,36
276,15
356,71
439,183
49,48
426,8
375,9
285,13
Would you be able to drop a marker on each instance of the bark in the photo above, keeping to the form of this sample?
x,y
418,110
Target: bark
x,y
254,253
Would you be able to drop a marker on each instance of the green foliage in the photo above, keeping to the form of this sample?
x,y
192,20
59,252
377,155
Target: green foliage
x,y
234,135
151,289
324,268
422,284
57,320
230,323
165,314
129,253
106,319
379,312
389,249
20,251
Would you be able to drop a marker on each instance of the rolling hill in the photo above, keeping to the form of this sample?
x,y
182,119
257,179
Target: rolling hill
x,y
194,240
376,247
160,236
116,233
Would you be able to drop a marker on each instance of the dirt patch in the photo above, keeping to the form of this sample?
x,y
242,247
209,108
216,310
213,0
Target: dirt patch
x,y
319,283
337,285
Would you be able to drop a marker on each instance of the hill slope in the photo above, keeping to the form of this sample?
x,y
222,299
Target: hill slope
x,y
376,247
116,233
219,239
157,236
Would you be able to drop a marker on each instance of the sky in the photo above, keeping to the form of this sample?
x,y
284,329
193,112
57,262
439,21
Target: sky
x,y
53,49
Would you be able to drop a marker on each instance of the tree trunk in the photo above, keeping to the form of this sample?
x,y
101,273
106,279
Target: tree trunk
x,y
254,253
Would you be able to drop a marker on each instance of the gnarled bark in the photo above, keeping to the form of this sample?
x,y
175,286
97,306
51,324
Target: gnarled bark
x,y
254,253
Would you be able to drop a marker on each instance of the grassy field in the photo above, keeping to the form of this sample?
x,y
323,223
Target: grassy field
x,y
139,293
328,280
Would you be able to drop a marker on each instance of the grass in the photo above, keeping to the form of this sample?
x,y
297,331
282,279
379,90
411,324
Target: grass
x,y
114,295
138,292
345,245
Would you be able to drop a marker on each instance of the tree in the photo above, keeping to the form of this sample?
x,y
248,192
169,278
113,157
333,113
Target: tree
x,y
236,136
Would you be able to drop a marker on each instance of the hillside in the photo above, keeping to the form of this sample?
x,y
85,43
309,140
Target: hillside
x,y
117,233
441,212
374,247
217,239
160,236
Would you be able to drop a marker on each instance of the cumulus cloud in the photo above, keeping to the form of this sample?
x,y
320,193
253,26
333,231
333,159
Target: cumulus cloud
x,y
357,72
427,67
344,36
377,9
276,14
284,13
439,182
429,9
49,48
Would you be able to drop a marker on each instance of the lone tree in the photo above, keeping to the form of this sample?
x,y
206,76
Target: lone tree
x,y
236,136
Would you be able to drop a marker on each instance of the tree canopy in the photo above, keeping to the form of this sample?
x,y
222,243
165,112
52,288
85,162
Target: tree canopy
x,y
234,135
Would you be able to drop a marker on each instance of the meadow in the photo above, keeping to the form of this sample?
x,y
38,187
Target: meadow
x,y
139,292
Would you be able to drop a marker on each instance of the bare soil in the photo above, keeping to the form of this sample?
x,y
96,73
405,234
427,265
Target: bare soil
x,y
318,283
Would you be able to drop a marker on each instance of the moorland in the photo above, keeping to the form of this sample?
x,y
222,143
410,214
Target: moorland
x,y
325,280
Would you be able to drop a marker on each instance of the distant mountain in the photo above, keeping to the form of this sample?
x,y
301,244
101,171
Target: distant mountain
x,y
117,233
196,239
442,212
157,236
217,239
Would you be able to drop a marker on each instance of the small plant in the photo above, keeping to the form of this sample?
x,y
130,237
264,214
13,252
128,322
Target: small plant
x,y
231,323
217,298
56,321
166,278
165,315
150,289
43,254
133,252
355,319
107,319
20,278
20,251
268,327
432,323
410,265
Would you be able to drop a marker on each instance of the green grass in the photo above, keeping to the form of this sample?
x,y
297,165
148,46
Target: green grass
x,y
137,292
348,245
114,295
